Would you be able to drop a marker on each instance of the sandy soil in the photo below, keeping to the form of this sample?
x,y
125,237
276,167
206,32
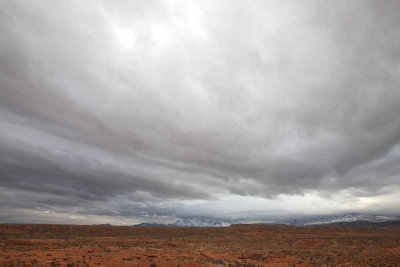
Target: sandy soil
x,y
255,245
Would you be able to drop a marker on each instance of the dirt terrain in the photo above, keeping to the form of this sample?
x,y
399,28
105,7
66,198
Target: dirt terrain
x,y
241,245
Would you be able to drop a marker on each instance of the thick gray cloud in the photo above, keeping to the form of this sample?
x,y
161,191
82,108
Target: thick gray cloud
x,y
136,109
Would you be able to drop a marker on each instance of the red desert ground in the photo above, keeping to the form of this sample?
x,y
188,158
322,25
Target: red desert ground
x,y
236,245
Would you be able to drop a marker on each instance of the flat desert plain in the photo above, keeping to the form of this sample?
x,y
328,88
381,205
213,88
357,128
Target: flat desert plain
x,y
238,245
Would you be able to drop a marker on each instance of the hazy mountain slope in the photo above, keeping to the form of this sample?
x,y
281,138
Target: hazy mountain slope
x,y
351,217
195,221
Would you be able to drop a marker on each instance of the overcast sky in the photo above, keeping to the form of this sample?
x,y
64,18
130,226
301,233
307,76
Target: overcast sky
x,y
134,111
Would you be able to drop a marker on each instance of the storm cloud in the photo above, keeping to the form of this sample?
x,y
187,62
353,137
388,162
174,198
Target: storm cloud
x,y
165,108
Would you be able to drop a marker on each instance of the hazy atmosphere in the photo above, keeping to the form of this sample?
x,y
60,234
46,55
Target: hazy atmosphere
x,y
147,111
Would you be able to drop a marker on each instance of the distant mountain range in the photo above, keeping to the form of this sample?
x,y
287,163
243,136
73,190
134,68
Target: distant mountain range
x,y
345,218
195,221
202,221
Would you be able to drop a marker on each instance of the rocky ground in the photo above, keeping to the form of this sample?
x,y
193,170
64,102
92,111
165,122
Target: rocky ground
x,y
241,245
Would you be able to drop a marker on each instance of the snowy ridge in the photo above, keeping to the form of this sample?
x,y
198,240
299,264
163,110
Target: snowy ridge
x,y
351,217
202,221
193,221
199,221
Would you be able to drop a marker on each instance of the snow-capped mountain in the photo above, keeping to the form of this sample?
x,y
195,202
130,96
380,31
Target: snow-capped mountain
x,y
350,217
195,221
200,221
